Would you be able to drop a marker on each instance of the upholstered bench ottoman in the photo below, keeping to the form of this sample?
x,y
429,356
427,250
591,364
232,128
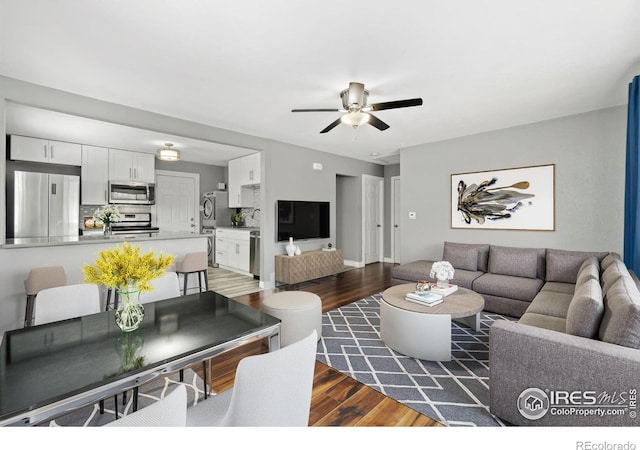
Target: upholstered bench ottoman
x,y
299,311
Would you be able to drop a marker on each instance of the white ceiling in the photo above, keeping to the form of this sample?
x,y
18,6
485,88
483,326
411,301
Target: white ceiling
x,y
243,65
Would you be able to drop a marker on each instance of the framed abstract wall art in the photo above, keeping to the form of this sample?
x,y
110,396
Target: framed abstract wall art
x,y
521,198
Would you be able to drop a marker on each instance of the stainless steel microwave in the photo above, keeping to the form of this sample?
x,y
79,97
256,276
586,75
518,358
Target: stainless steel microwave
x,y
132,193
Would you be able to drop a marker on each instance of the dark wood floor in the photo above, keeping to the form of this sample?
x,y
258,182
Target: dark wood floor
x,y
337,400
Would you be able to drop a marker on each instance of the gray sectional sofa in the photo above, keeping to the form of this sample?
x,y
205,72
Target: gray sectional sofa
x,y
573,357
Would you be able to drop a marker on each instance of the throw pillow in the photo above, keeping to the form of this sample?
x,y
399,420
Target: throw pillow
x,y
615,270
590,269
621,320
514,261
585,310
464,258
609,259
563,265
483,253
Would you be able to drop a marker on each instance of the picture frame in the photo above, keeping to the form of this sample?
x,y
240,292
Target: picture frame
x,y
520,198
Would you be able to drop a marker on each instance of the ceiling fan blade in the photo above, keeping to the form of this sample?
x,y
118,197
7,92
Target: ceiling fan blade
x,y
396,104
379,124
334,124
316,110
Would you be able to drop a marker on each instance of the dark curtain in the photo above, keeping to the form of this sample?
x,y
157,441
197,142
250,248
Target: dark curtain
x,y
632,188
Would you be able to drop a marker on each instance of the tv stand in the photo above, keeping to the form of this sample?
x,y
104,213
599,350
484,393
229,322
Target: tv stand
x,y
308,266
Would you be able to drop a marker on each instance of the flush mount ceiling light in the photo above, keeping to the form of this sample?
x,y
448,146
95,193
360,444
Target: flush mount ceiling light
x,y
168,154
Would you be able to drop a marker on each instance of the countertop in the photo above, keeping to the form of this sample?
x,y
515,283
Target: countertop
x,y
95,239
239,228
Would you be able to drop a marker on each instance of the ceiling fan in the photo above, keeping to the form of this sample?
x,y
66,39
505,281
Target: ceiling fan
x,y
357,111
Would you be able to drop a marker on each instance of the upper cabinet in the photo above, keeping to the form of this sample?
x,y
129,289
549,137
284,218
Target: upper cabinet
x,y
94,175
131,166
243,173
45,151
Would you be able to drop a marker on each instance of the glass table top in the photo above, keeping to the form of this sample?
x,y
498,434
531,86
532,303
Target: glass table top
x,y
43,364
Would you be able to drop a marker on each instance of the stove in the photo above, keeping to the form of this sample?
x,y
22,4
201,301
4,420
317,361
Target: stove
x,y
134,223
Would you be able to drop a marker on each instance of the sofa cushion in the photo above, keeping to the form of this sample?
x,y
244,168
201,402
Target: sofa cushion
x,y
621,320
615,270
464,258
550,303
543,321
586,309
562,288
524,289
590,269
563,265
482,249
465,278
413,271
513,261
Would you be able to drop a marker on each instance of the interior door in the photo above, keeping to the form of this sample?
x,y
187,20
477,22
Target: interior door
x,y
372,218
395,219
176,202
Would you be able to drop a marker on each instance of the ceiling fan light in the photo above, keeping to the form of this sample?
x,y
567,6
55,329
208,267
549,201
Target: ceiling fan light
x,y
355,119
168,154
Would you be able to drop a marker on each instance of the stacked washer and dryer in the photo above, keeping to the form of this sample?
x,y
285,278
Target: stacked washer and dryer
x,y
215,213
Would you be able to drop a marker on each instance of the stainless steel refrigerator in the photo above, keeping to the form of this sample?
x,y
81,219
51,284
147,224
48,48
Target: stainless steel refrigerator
x,y
46,205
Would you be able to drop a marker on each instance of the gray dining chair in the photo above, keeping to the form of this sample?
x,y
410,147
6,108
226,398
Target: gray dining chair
x,y
271,389
170,411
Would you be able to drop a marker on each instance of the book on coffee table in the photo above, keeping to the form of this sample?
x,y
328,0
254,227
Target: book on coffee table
x,y
449,290
424,298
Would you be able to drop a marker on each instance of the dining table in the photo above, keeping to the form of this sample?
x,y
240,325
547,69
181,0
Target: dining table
x,y
52,369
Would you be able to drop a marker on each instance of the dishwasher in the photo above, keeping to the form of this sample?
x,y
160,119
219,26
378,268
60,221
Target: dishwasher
x,y
254,254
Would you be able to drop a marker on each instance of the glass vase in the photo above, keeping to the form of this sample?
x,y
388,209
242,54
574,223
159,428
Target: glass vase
x,y
106,229
442,283
130,311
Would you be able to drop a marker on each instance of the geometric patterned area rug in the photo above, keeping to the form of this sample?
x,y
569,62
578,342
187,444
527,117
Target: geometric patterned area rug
x,y
149,393
455,393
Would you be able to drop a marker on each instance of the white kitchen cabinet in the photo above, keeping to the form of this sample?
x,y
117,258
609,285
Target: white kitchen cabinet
x,y
244,173
45,151
232,249
94,175
131,166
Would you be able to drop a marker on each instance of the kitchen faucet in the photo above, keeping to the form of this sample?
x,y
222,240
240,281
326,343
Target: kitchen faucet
x,y
253,215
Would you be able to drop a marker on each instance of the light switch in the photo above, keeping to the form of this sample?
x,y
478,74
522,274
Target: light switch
x,y
412,215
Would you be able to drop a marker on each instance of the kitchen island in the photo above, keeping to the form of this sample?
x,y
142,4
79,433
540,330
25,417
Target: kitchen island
x,y
18,257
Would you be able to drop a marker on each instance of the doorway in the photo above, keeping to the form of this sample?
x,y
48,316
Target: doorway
x,y
395,220
177,204
372,218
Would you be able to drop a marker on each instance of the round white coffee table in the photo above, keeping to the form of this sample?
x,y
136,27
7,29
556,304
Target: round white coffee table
x,y
424,332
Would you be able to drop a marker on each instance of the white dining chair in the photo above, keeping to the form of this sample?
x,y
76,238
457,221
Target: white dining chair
x,y
170,411
166,286
66,302
271,389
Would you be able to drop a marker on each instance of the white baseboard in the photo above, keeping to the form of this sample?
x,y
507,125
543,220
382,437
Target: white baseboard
x,y
388,260
357,264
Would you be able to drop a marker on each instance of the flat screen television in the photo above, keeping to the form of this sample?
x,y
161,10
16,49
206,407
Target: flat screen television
x,y
302,220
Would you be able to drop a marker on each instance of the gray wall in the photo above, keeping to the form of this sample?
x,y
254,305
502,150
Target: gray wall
x,y
348,206
392,170
288,174
588,151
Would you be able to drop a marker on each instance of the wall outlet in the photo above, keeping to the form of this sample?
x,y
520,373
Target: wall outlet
x,y
412,215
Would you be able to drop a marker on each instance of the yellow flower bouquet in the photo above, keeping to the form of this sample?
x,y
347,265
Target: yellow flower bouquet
x,y
129,272
125,268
